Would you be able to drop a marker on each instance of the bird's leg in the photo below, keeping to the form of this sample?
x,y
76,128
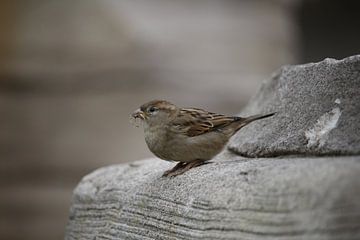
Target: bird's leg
x,y
177,167
187,166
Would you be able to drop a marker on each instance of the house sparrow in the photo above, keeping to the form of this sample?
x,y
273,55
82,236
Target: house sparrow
x,y
189,136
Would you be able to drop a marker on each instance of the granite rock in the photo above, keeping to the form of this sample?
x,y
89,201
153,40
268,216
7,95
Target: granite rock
x,y
237,198
318,112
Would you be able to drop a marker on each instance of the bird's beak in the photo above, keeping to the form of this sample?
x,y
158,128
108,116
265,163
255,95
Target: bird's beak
x,y
138,114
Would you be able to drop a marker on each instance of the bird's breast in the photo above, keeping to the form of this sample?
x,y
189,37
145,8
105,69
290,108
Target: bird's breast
x,y
165,145
155,139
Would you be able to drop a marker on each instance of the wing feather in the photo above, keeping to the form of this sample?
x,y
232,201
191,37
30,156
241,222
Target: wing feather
x,y
194,121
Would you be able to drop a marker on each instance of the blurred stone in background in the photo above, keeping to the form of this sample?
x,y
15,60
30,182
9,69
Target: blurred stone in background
x,y
72,71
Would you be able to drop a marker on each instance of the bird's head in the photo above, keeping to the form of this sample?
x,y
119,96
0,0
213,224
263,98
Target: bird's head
x,y
156,112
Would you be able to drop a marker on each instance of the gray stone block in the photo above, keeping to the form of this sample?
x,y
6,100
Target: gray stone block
x,y
318,112
237,198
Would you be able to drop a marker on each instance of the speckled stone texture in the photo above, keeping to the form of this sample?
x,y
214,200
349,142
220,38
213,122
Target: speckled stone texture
x,y
237,198
318,107
294,194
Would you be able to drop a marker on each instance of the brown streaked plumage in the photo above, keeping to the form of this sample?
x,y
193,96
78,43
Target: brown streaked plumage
x,y
189,136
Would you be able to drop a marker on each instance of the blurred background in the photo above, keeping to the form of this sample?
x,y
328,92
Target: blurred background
x,y
71,72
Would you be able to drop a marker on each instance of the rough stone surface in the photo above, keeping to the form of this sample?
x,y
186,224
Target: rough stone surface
x,y
289,196
318,106
238,198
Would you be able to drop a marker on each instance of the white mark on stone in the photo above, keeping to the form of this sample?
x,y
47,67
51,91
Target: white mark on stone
x,y
317,135
337,101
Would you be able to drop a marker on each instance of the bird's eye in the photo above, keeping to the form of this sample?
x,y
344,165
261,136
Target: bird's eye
x,y
152,109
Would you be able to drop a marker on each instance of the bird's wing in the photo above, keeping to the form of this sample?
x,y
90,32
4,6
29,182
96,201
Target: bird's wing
x,y
193,121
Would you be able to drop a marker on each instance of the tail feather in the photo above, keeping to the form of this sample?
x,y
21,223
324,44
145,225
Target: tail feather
x,y
258,116
245,121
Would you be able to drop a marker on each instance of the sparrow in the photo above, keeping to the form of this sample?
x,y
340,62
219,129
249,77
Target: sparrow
x,y
189,136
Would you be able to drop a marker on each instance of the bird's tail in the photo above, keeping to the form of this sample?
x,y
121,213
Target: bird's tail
x,y
245,121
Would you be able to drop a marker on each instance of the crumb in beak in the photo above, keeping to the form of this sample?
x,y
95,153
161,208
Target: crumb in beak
x,y
135,121
137,118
